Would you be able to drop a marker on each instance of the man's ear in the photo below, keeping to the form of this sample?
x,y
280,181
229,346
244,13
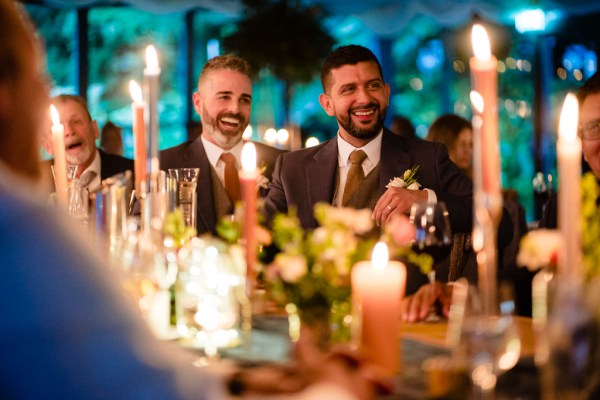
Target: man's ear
x,y
95,129
327,104
197,100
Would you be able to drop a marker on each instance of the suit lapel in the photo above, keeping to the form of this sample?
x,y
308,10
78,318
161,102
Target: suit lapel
x,y
395,158
195,157
321,174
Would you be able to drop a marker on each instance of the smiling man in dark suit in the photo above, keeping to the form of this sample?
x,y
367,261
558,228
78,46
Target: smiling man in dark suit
x,y
357,96
223,102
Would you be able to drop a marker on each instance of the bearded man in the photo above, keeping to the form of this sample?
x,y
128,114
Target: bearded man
x,y
223,102
358,97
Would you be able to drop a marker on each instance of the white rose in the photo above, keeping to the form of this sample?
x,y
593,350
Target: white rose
x,y
414,186
397,183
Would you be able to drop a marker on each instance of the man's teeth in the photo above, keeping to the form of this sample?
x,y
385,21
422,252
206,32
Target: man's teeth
x,y
230,120
364,112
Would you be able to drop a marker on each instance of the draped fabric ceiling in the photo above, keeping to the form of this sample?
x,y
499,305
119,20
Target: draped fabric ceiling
x,y
384,17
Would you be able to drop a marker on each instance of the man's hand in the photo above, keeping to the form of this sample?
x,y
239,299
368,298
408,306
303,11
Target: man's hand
x,y
396,201
416,307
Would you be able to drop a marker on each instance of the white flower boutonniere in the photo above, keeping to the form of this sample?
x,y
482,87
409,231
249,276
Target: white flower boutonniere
x,y
408,180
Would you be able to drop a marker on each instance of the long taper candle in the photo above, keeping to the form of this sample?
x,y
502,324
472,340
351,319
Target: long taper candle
x,y
248,177
569,192
60,161
139,137
151,81
484,80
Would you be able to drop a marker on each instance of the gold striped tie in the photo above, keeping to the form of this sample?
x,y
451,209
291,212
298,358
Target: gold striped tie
x,y
355,175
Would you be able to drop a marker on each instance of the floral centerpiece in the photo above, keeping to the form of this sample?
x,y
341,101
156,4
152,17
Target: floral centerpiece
x,y
311,273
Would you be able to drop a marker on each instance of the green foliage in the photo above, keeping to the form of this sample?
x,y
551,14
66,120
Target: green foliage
x,y
176,229
282,36
590,226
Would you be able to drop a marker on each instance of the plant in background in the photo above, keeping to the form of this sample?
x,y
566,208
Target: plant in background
x,y
175,228
590,225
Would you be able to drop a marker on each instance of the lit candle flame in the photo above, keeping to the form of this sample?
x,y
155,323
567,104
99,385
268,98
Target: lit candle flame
x,y
567,127
380,256
248,157
151,58
54,115
481,43
247,133
136,91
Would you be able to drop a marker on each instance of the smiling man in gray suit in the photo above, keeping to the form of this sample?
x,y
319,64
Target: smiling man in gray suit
x,y
223,102
357,96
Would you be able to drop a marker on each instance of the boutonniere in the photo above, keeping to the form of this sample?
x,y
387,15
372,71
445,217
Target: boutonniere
x,y
262,181
408,180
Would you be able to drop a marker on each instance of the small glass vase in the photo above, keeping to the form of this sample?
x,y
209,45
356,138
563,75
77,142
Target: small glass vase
x,y
323,326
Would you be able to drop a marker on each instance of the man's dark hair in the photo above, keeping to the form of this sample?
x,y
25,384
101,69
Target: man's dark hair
x,y
591,86
346,55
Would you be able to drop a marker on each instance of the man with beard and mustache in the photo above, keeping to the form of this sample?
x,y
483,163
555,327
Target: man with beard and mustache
x,y
81,132
223,102
357,96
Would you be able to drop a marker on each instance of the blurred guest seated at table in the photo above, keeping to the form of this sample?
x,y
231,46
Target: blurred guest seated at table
x,y
223,102
354,168
402,126
111,139
588,96
66,330
457,134
81,132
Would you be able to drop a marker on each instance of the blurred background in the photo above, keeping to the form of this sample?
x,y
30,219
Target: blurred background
x,y
544,48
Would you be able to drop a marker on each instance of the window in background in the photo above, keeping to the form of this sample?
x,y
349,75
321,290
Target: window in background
x,y
118,37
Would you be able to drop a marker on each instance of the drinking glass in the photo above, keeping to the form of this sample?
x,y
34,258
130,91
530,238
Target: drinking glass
x,y
489,343
182,192
433,236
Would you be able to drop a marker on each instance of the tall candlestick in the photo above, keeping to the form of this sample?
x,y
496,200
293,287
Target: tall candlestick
x,y
569,192
248,177
139,137
484,236
377,289
151,81
60,161
484,80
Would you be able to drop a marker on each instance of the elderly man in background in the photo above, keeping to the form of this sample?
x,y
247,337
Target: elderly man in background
x,y
81,132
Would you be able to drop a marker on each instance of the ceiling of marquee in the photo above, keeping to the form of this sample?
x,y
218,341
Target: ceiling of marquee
x,y
384,17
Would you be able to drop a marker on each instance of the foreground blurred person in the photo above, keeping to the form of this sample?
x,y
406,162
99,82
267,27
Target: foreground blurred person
x,y
66,331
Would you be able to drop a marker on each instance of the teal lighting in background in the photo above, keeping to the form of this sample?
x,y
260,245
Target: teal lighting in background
x,y
578,57
213,48
531,20
431,56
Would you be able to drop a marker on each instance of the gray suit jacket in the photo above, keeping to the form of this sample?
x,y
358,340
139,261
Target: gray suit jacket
x,y
305,177
192,154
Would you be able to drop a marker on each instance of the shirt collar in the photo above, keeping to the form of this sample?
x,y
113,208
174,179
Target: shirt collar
x,y
95,166
213,152
372,149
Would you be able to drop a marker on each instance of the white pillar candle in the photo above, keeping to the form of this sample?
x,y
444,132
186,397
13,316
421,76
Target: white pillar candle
x,y
151,86
377,289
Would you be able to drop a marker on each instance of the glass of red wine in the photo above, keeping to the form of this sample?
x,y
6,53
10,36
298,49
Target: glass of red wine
x,y
433,236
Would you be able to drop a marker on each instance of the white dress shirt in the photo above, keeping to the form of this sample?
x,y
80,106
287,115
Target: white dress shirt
x,y
213,152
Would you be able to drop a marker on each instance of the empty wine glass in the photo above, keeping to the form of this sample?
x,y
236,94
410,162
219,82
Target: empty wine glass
x,y
433,236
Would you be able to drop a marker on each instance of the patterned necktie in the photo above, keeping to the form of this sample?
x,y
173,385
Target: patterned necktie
x,y
231,178
355,175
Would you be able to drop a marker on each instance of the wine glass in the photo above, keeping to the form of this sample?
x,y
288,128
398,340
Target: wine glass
x,y
489,344
433,236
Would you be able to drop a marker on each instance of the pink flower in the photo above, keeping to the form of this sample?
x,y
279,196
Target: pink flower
x,y
401,230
